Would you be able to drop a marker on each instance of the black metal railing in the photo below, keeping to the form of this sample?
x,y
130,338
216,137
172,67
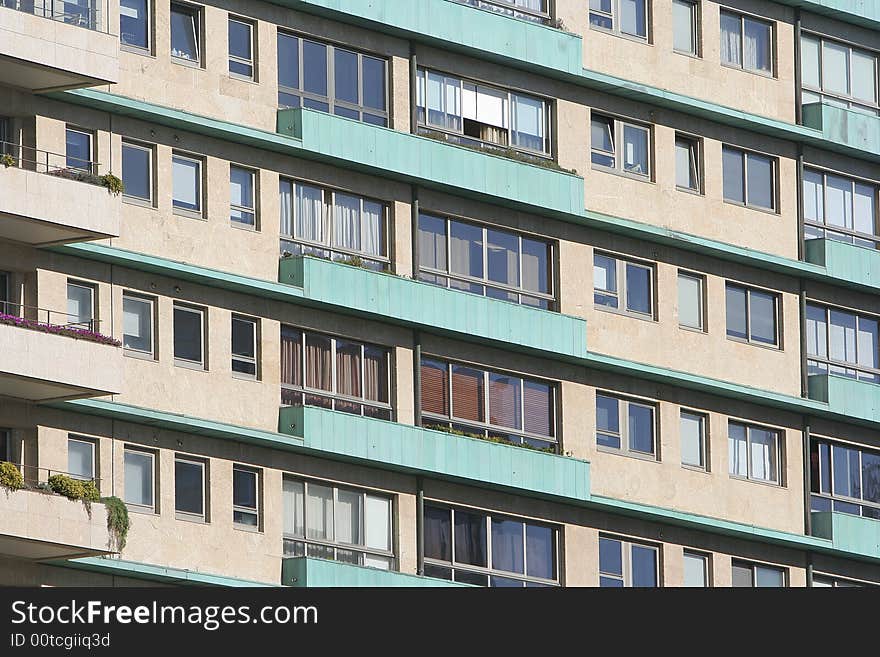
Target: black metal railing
x,y
53,164
33,314
84,13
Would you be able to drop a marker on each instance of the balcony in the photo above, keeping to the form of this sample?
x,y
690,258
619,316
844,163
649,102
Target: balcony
x,y
387,297
858,12
859,265
45,361
851,131
50,45
847,532
43,203
415,450
307,572
858,400
39,525
453,25
432,163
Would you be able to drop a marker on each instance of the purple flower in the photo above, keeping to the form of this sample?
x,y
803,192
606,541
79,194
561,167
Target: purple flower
x,y
76,333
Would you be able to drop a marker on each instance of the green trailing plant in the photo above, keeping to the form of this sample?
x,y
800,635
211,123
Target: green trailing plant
x,y
113,184
352,261
67,486
118,522
489,439
10,476
7,160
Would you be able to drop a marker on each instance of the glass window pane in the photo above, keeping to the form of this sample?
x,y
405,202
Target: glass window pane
x,y
846,471
468,395
738,449
734,184
842,336
138,478
867,343
536,266
602,141
692,440
762,316
814,196
244,488
835,68
134,23
610,557
78,149
189,490
187,176
864,211
742,575
80,304
377,523
137,324
757,46
638,288
839,201
527,128
864,76
293,493
685,164
695,566
644,566
507,545
466,249
314,67
683,14
605,280
607,417
731,39
760,181
632,18
505,400
736,312
816,331
288,61
810,62
635,145
184,33
243,337
871,476
136,172
349,512
502,257
470,538
764,451
690,301
438,544
319,512
765,576
81,459
374,83
188,335
432,242
345,73
641,428
240,39
541,552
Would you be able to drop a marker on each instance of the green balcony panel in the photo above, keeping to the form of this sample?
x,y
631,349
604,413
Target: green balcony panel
x,y
308,572
386,297
454,26
433,163
415,450
852,130
856,400
848,533
858,265
858,12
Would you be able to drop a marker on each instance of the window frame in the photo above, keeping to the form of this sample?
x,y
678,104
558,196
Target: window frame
x,y
626,548
696,21
257,511
202,312
203,464
701,279
622,291
90,165
778,442
153,507
743,17
252,62
706,559
614,17
485,283
618,126
93,448
243,209
704,439
428,419
152,301
195,12
838,502
150,150
199,180
774,179
827,361
623,432
777,316
848,99
255,361
489,571
695,163
337,545
754,566
148,31
826,227
91,323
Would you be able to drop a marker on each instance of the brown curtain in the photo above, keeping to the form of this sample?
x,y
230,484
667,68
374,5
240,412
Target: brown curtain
x,y
318,362
435,387
291,356
538,408
376,374
504,401
348,368
467,393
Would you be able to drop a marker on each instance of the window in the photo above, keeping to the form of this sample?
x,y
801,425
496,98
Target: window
x,y
468,112
824,581
241,48
696,569
6,445
187,184
189,336
78,144
843,343
137,324
607,134
137,172
537,11
685,27
140,475
748,574
348,376
486,403
331,522
844,478
333,225
693,439
838,74
752,315
623,285
134,23
81,459
840,208
475,547
625,425
688,164
488,261
754,452
244,346
332,79
81,305
629,17
185,33
245,497
746,43
242,203
189,489
625,564
690,301
749,178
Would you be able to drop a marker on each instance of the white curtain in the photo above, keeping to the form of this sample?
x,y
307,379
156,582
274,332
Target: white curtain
x,y
319,512
842,336
756,46
372,228
731,36
285,192
863,209
839,201
763,443
814,201
347,222
309,224
348,517
816,332
867,342
738,452
533,266
293,502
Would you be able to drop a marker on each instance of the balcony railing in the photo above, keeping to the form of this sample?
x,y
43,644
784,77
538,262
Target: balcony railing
x,y
36,477
516,9
53,321
84,13
53,164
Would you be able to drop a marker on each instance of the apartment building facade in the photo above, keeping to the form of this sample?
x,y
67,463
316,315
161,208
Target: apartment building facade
x,y
450,292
